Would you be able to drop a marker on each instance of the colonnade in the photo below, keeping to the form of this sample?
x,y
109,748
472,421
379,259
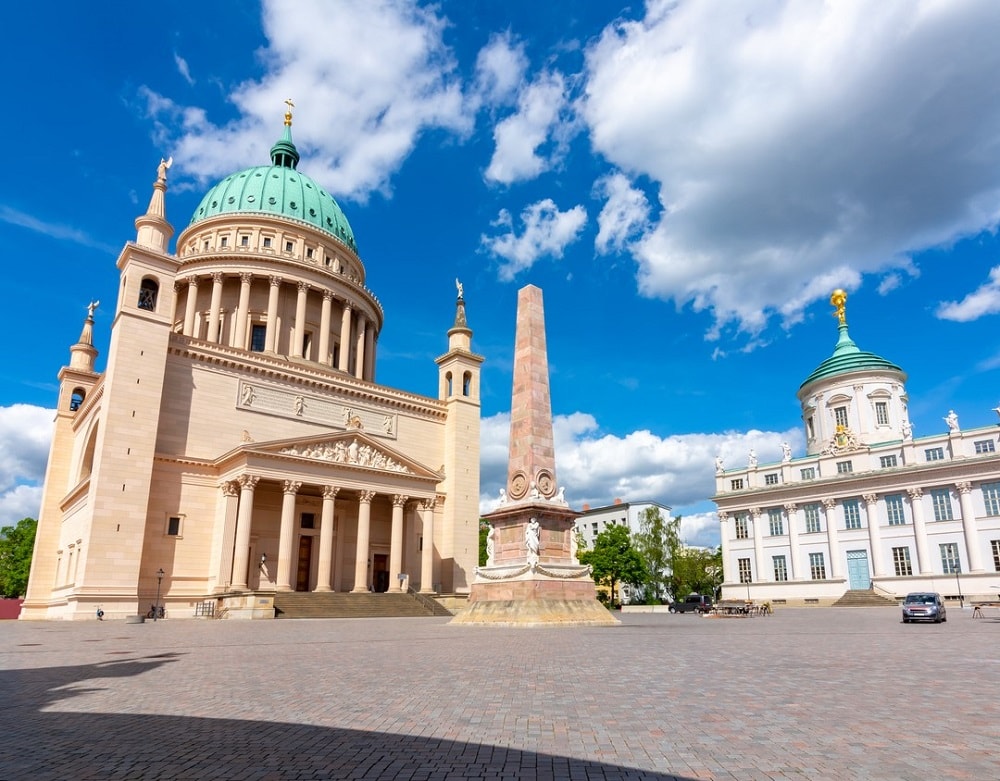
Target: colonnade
x,y
356,333
238,498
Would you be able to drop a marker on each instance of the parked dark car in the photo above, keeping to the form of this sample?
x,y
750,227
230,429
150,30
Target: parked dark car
x,y
692,603
924,606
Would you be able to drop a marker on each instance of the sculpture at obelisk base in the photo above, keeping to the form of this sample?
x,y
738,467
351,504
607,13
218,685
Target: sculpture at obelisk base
x,y
532,576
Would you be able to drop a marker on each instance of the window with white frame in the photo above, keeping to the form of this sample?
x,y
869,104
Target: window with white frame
x,y
744,568
771,479
894,509
742,527
844,467
995,545
812,518
888,461
882,413
991,498
775,522
901,562
174,526
737,484
985,446
852,514
809,473
780,568
949,558
934,454
941,500
817,567
840,416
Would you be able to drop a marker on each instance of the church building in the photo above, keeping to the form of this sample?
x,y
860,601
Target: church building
x,y
237,443
869,507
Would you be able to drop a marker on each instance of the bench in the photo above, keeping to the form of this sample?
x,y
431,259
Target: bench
x,y
979,607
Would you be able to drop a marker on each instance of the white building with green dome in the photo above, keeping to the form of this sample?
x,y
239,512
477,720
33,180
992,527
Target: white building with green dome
x,y
237,445
868,508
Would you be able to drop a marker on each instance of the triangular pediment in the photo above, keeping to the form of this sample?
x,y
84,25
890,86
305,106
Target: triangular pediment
x,y
352,449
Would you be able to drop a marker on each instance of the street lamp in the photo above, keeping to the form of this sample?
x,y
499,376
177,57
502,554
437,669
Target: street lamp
x,y
159,580
961,599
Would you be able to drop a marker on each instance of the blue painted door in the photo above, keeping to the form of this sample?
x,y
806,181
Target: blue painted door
x,y
858,574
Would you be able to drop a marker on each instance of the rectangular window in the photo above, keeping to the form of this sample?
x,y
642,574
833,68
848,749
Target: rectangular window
x,y
258,338
840,416
844,467
771,479
941,499
309,252
744,567
267,242
949,558
737,484
780,569
777,525
173,526
810,427
882,413
204,246
812,518
986,446
742,528
307,520
289,246
991,498
224,241
995,545
817,569
934,454
244,241
894,509
888,461
852,514
809,473
901,562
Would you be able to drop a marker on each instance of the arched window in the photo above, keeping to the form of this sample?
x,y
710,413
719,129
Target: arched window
x,y
149,290
447,379
76,399
87,464
467,383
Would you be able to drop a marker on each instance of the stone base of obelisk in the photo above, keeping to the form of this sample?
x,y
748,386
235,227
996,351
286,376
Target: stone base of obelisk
x,y
554,591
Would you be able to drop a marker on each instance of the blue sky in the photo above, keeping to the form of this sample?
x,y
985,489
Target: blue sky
x,y
687,182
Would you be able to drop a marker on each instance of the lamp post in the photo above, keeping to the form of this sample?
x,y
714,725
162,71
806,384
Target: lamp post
x,y
961,599
156,606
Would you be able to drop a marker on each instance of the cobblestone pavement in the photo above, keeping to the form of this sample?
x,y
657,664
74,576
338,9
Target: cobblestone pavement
x,y
820,693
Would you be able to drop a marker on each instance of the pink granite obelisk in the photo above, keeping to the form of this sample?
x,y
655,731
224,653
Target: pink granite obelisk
x,y
532,576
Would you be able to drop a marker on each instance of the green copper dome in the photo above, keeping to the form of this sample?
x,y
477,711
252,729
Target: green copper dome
x,y
848,358
277,189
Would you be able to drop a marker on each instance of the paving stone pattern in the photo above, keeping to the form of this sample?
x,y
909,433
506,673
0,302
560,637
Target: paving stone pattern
x,y
804,694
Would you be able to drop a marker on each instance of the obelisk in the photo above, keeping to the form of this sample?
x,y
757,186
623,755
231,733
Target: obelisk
x,y
532,576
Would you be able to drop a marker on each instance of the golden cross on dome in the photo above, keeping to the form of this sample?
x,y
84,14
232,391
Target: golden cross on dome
x,y
288,113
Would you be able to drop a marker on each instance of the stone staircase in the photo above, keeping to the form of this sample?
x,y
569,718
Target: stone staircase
x,y
865,598
303,604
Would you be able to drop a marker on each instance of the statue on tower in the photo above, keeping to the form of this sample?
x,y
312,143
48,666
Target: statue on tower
x,y
838,300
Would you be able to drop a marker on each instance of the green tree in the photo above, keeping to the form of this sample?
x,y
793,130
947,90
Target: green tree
x,y
696,571
614,560
16,545
656,542
484,529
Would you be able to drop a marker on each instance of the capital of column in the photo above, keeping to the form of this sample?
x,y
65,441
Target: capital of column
x,y
915,493
366,497
193,283
330,491
829,504
249,481
723,516
303,287
230,488
870,498
348,306
964,487
275,281
292,486
791,507
327,295
428,504
755,512
217,277
398,500
246,277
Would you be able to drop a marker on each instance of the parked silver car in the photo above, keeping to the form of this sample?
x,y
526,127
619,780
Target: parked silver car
x,y
924,606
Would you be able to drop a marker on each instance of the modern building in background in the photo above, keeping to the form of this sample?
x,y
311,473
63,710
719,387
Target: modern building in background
x,y
237,443
869,507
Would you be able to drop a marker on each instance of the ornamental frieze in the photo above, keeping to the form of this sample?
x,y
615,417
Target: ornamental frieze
x,y
342,452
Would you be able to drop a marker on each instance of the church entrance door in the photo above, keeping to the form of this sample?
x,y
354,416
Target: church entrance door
x,y
380,572
305,559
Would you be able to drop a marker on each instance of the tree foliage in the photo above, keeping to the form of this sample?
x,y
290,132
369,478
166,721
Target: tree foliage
x,y
695,571
16,545
484,529
656,542
614,560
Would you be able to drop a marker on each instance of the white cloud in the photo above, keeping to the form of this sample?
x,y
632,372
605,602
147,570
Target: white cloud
x,y
54,230
538,123
182,68
360,108
625,214
500,69
790,138
25,435
985,300
547,232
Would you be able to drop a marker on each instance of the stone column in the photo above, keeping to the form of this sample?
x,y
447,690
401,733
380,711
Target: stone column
x,y
919,530
396,542
364,536
324,329
300,320
370,353
231,495
244,518
359,355
323,577
832,538
286,537
427,554
336,580
243,310
792,514
345,337
969,526
216,305
758,546
271,334
874,535
724,541
190,306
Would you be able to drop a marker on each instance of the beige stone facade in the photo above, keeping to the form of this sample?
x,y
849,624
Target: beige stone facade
x,y
238,441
